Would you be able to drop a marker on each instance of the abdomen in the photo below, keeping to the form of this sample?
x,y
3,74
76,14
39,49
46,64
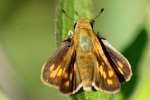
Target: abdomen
x,y
85,63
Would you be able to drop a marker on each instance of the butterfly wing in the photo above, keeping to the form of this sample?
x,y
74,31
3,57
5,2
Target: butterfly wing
x,y
105,77
60,71
71,81
122,65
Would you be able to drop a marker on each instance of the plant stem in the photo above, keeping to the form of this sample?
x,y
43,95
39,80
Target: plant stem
x,y
77,9
84,8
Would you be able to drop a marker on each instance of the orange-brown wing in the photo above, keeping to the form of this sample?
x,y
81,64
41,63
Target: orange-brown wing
x,y
71,81
59,70
122,66
105,77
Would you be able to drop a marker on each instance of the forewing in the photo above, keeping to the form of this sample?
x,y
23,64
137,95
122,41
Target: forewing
x,y
59,70
105,78
54,67
122,65
71,81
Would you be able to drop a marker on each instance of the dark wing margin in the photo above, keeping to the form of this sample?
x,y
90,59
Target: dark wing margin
x,y
59,69
122,66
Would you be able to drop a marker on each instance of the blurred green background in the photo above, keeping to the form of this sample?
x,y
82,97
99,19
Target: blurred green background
x,y
27,40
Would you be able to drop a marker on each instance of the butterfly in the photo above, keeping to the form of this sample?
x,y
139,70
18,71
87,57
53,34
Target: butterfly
x,y
86,60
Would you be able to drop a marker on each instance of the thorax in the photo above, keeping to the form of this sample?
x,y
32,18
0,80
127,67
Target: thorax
x,y
84,49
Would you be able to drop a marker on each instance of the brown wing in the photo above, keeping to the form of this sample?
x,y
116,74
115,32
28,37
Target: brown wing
x,y
71,81
59,70
122,65
105,78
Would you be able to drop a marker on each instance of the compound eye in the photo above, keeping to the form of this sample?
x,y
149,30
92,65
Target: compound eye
x,y
92,23
74,25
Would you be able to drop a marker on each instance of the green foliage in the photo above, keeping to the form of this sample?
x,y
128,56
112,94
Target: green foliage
x,y
27,40
92,95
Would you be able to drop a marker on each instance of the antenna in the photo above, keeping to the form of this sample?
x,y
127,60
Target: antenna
x,y
100,12
64,12
93,20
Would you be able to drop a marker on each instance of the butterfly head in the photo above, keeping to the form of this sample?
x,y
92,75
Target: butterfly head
x,y
83,24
